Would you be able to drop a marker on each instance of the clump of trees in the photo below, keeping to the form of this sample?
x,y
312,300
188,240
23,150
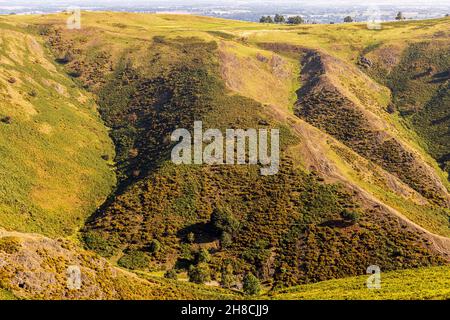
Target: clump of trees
x,y
225,224
266,19
278,18
295,20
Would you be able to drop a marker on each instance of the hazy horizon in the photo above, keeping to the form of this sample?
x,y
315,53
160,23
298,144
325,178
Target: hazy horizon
x,y
321,11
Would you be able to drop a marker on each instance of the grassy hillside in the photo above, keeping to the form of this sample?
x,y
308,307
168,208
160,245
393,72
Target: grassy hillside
x,y
357,184
53,144
415,284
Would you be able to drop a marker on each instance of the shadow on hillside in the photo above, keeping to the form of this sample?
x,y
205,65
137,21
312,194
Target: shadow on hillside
x,y
203,233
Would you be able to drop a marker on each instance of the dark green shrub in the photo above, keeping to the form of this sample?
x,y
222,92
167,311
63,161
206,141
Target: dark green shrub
x,y
222,219
134,259
351,216
199,273
251,284
97,243
155,246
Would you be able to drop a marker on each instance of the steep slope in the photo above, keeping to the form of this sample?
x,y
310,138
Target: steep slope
x,y
418,75
53,145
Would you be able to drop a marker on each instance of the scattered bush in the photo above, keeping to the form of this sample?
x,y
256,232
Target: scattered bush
x,y
227,277
226,240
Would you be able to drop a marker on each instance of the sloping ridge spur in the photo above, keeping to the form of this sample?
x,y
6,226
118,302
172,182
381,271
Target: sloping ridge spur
x,y
319,103
323,104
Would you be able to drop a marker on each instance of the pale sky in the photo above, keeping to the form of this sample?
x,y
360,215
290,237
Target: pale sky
x,y
221,2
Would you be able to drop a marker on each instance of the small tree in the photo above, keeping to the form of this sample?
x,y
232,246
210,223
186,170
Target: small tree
x,y
399,16
348,19
199,274
251,284
295,20
279,18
